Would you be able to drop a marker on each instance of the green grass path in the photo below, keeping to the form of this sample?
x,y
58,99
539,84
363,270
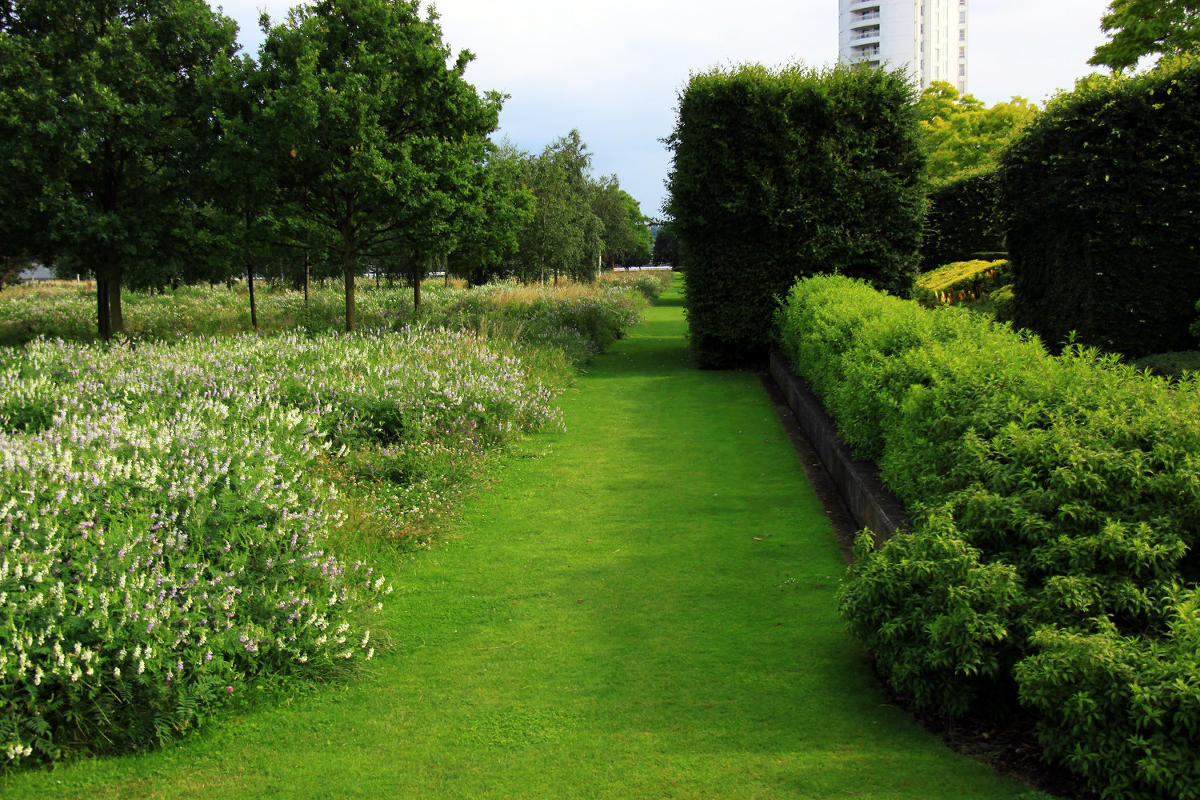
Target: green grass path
x,y
642,607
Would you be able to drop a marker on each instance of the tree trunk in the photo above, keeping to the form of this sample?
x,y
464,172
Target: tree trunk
x,y
416,291
306,280
348,271
115,316
250,286
103,322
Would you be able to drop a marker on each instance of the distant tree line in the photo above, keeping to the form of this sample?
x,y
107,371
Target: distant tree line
x,y
142,149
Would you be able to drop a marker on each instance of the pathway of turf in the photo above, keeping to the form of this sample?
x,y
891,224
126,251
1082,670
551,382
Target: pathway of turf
x,y
640,608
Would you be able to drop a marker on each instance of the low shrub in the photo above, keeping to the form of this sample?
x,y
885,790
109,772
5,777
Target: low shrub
x,y
960,281
1048,493
1122,711
1171,365
581,319
935,616
650,283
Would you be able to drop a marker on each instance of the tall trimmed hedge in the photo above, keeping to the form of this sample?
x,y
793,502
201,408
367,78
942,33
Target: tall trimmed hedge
x,y
780,174
1053,556
1102,195
963,222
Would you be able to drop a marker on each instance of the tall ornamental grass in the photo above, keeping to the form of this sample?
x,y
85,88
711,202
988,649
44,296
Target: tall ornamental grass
x,y
580,319
1052,561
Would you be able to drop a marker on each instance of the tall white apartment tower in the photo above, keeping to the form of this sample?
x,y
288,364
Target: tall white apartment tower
x,y
928,37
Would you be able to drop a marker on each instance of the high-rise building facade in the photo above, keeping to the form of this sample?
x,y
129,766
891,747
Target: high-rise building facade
x,y
928,37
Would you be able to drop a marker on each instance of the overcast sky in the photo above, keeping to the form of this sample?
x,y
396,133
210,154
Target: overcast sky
x,y
613,69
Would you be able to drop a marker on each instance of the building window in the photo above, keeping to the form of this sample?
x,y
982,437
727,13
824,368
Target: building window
x,y
962,18
962,34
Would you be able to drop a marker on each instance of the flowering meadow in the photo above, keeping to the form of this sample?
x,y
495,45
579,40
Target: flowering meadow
x,y
170,511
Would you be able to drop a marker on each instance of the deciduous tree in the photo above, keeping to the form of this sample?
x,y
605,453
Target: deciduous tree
x,y
371,119
962,136
105,112
1138,28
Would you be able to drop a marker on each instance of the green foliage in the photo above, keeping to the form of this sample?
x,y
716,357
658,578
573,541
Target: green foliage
x,y
489,226
626,232
372,129
1102,195
936,618
1003,303
1138,28
961,136
779,174
564,236
1171,365
963,220
666,245
1122,711
165,547
1060,492
649,283
962,280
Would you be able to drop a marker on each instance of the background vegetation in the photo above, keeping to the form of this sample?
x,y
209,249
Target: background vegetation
x,y
1101,200
142,151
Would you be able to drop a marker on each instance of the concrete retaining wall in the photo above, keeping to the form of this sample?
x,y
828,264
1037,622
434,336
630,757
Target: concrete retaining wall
x,y
858,482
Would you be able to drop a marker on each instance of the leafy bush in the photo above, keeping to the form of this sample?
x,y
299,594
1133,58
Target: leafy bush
x,y
581,319
1048,493
779,174
1003,303
650,283
936,618
1122,711
1101,193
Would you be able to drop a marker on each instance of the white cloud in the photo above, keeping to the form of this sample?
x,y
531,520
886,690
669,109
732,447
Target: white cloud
x,y
613,69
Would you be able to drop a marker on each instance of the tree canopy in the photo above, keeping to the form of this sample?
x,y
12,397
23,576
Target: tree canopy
x,y
1138,28
372,130
105,111
961,135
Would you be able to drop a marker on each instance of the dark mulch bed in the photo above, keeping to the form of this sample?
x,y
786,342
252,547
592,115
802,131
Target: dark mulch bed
x,y
1007,745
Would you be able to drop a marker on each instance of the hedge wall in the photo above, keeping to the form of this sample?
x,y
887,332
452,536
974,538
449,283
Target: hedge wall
x,y
963,221
779,174
1055,507
1101,196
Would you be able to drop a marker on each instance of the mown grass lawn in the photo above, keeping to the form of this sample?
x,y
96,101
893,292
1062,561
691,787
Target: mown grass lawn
x,y
642,607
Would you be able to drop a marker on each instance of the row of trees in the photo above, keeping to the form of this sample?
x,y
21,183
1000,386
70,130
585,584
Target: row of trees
x,y
142,148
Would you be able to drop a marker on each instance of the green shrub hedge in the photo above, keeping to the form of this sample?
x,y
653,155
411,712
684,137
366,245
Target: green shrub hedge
x,y
1054,499
779,174
1102,196
963,222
